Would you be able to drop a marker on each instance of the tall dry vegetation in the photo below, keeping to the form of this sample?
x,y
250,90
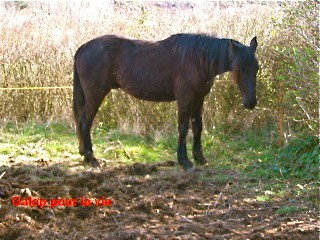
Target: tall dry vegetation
x,y
39,41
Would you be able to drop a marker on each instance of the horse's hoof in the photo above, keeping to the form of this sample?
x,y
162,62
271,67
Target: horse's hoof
x,y
95,163
92,161
186,164
191,170
203,162
200,160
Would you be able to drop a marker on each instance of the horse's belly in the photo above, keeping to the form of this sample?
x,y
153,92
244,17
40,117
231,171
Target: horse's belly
x,y
151,94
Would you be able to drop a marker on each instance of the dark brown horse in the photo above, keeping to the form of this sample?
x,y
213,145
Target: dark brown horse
x,y
180,68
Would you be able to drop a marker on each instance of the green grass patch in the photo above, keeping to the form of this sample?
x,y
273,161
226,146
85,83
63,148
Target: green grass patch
x,y
253,153
58,140
114,145
36,140
264,198
290,209
299,159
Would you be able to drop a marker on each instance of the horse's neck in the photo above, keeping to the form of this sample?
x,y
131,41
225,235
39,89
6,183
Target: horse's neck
x,y
223,63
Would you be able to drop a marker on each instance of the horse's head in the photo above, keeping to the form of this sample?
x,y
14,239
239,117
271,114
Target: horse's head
x,y
244,67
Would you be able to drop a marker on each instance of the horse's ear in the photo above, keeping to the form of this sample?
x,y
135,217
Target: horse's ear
x,y
254,44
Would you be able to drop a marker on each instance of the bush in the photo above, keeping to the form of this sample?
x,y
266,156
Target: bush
x,y
300,158
296,64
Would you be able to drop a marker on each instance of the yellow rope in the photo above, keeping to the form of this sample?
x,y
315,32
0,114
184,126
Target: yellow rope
x,y
35,88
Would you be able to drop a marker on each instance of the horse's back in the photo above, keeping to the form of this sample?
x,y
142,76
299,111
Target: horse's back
x,y
148,70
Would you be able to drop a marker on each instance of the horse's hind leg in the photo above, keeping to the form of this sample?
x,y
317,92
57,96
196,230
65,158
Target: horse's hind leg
x,y
92,104
196,121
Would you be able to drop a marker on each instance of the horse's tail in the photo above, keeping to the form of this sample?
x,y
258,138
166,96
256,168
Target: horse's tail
x,y
78,96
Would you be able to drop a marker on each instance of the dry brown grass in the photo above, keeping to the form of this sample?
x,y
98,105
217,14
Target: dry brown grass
x,y
38,44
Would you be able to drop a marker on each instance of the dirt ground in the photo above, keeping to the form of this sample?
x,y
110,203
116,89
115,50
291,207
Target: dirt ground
x,y
142,201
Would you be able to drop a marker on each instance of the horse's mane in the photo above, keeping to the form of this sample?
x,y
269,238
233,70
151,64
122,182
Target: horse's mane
x,y
212,52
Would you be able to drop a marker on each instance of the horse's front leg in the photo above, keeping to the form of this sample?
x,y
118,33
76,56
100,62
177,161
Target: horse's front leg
x,y
196,121
183,127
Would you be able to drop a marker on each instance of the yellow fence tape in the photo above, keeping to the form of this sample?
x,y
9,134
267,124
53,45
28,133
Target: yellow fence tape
x,y
35,88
